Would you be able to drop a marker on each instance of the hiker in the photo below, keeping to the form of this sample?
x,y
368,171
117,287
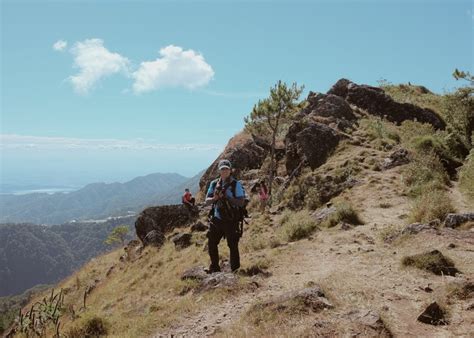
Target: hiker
x,y
227,196
263,195
188,198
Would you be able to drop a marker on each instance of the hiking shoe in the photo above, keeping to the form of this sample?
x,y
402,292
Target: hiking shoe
x,y
213,269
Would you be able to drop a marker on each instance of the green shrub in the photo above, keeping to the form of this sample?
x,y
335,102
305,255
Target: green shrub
x,y
410,129
297,225
466,177
458,108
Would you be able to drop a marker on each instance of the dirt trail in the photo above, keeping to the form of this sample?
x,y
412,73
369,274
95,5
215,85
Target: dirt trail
x,y
357,269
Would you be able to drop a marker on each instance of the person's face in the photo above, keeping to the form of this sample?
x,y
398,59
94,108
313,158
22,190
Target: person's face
x,y
225,173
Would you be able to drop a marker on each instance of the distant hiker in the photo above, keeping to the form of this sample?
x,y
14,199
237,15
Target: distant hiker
x,y
188,198
227,196
263,195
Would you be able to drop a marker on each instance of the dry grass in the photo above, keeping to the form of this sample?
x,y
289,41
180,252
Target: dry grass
x,y
137,297
466,177
297,225
433,204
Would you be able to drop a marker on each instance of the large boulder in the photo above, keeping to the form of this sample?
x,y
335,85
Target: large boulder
x,y
328,105
376,102
310,142
244,154
162,219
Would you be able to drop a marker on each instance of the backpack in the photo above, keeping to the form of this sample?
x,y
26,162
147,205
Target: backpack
x,y
238,214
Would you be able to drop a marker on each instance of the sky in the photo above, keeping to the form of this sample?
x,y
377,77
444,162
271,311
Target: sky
x,y
110,90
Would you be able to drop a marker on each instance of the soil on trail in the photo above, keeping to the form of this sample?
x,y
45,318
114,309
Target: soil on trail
x,y
357,269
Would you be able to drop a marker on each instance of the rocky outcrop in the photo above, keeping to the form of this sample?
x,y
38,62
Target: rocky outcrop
x,y
397,158
376,102
154,222
244,154
455,220
309,142
328,105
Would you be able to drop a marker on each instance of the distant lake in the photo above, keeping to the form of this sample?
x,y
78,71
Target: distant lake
x,y
39,190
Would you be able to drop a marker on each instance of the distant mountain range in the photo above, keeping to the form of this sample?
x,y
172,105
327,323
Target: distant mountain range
x,y
96,200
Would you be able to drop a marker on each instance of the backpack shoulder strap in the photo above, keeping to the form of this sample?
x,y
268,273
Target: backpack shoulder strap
x,y
233,186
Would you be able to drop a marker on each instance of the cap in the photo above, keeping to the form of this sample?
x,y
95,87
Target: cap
x,y
224,164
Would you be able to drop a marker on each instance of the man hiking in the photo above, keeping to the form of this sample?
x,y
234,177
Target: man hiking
x,y
188,198
227,195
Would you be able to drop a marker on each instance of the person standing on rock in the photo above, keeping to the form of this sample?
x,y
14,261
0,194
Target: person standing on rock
x,y
226,194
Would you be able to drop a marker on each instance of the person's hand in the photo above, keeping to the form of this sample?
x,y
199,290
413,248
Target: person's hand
x,y
217,196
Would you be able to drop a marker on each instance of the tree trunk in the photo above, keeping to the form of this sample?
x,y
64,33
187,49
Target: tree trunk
x,y
272,164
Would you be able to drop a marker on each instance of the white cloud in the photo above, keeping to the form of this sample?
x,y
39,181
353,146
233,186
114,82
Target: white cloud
x,y
14,141
60,45
94,62
174,68
470,13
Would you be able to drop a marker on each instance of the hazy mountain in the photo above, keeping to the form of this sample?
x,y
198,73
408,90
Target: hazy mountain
x,y
96,200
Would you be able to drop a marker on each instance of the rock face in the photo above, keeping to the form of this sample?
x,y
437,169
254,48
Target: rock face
x,y
433,315
376,102
328,105
161,220
309,142
455,220
154,238
244,154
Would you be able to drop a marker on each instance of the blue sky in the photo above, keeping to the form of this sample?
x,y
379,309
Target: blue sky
x,y
135,87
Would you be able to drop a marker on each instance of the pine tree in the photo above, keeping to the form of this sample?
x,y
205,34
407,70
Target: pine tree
x,y
269,114
117,235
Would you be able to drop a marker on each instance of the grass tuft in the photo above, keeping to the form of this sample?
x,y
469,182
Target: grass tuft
x,y
433,261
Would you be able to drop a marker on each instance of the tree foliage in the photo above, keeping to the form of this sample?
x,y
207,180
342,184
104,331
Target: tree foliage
x,y
269,114
459,110
118,235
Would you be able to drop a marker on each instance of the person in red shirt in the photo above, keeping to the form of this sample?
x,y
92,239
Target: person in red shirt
x,y
188,198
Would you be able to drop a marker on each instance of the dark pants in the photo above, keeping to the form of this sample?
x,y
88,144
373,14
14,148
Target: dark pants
x,y
217,230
